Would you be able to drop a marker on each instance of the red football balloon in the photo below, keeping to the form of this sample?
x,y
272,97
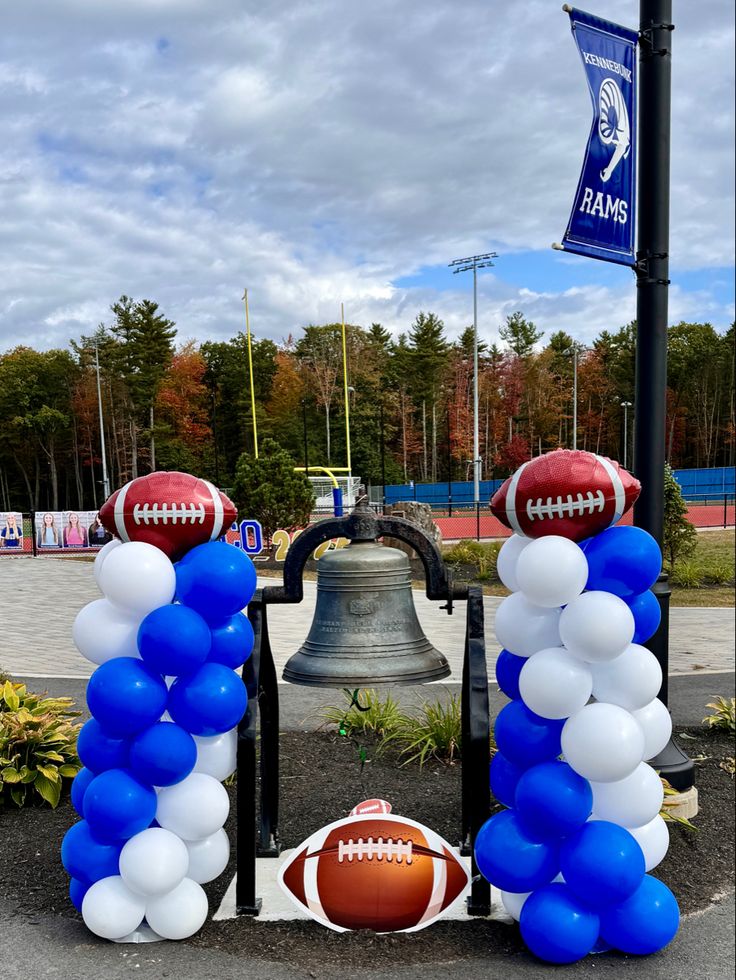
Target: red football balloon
x,y
569,492
385,873
173,511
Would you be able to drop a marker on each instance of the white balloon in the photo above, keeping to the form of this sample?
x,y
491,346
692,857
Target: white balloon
x,y
179,913
138,577
597,626
208,858
631,680
552,571
154,861
656,724
554,684
194,808
103,631
632,801
523,627
507,558
513,902
102,555
111,910
654,840
217,755
602,742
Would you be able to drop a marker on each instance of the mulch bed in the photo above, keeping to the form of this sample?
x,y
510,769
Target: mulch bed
x,y
322,778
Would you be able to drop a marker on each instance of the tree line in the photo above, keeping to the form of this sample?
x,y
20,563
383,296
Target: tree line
x,y
187,406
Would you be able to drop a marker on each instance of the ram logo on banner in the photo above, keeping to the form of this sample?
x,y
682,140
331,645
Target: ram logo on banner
x,y
602,221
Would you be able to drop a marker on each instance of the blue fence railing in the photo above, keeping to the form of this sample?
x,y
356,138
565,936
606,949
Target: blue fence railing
x,y
697,484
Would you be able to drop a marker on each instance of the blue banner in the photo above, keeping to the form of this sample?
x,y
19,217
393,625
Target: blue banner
x,y
603,218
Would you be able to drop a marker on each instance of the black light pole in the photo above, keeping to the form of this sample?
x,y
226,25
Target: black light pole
x,y
652,280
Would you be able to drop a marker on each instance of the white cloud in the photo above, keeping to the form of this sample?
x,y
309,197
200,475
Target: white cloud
x,y
319,152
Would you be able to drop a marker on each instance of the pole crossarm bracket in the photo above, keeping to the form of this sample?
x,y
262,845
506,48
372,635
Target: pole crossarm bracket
x,y
646,41
643,268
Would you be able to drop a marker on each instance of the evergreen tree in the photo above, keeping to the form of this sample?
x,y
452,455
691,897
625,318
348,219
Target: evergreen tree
x,y
680,537
270,490
520,335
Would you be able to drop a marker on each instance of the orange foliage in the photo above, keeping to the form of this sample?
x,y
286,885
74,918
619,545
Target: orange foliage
x,y
183,398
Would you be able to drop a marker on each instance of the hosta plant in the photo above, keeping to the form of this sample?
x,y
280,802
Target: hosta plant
x,y
38,745
724,714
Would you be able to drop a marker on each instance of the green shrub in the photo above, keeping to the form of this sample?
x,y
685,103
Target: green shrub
x,y
436,731
724,714
38,745
483,555
687,574
371,715
719,572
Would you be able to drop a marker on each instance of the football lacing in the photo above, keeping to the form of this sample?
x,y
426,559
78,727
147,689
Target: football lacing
x,y
584,504
169,513
374,849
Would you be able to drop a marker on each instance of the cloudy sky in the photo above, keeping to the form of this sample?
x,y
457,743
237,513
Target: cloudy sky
x,y
331,151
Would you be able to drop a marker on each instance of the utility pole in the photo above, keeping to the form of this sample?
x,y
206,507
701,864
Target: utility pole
x,y
574,398
626,406
474,262
105,479
652,281
250,371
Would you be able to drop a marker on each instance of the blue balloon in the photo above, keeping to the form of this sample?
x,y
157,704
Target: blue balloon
x,y
126,696
645,922
232,642
508,668
624,560
174,640
117,806
79,787
556,926
552,801
77,891
511,860
504,777
86,858
162,755
647,615
100,751
525,738
216,580
602,863
210,701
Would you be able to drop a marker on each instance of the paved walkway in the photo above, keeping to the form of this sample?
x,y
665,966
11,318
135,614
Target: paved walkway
x,y
42,596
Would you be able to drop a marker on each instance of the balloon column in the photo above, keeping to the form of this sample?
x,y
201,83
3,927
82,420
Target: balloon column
x,y
582,829
165,702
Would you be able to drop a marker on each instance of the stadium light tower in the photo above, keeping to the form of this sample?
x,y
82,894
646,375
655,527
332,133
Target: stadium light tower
x,y
474,262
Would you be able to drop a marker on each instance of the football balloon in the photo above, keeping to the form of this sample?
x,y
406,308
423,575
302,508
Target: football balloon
x,y
382,872
571,493
173,511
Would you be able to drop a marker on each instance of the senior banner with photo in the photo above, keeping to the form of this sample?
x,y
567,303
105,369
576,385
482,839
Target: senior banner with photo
x,y
602,222
12,537
69,531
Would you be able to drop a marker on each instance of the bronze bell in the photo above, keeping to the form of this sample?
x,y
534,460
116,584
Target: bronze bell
x,y
365,629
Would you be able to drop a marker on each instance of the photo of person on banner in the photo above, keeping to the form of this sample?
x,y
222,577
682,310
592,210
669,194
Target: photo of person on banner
x,y
48,534
97,535
75,534
11,531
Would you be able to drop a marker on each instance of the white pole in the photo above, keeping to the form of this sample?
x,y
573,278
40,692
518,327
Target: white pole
x,y
476,459
575,398
105,480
